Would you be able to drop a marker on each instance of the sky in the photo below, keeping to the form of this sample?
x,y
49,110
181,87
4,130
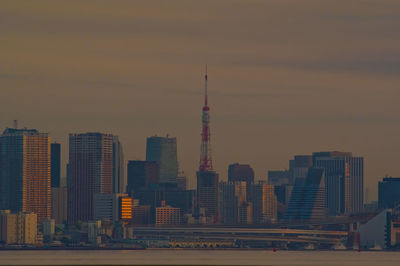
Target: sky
x,y
285,77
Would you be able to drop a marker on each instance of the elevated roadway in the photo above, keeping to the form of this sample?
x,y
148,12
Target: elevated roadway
x,y
232,233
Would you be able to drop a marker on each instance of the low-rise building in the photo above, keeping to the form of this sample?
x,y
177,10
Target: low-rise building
x,y
167,215
18,228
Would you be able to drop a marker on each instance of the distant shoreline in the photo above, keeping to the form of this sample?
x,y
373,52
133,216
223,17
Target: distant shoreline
x,y
184,249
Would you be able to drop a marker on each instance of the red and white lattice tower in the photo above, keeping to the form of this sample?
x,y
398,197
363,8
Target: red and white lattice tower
x,y
205,155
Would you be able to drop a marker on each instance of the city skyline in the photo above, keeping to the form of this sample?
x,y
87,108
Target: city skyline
x,y
285,82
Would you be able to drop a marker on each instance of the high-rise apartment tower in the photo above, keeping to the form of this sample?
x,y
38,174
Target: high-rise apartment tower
x,y
91,172
25,172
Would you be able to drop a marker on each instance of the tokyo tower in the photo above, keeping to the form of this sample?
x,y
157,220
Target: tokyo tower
x,y
205,150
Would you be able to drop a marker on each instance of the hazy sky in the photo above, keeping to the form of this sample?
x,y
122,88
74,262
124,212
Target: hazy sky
x,y
285,77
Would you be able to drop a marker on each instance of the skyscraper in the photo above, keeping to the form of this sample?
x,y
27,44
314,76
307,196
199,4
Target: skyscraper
x,y
59,200
207,178
233,197
55,164
344,181
163,151
264,203
119,179
142,174
298,167
25,172
389,192
90,162
240,172
308,197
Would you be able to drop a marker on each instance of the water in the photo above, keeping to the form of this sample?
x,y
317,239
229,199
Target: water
x,y
200,257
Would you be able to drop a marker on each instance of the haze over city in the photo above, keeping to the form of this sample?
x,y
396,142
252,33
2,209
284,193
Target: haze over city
x,y
284,79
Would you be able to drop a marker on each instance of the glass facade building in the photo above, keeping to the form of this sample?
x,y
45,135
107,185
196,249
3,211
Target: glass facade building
x,y
164,152
55,164
344,181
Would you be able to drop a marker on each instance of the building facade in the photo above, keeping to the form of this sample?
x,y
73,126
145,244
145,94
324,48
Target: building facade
x,y
164,152
298,167
107,206
308,197
264,203
119,178
25,172
233,197
59,204
344,181
207,192
55,149
167,215
389,193
125,208
90,172
142,175
18,228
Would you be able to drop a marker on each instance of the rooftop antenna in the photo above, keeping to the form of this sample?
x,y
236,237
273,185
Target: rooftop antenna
x,y
15,124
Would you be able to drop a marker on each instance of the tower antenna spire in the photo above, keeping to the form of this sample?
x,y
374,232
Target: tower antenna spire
x,y
206,92
205,153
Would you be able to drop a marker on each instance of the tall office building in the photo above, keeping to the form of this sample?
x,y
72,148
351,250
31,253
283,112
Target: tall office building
x,y
207,178
163,151
119,178
283,180
91,172
344,181
298,167
389,192
55,151
279,177
207,192
240,172
308,197
233,197
141,175
264,203
59,200
25,172
181,180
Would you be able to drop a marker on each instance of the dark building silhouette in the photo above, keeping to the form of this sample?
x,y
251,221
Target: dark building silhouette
x,y
182,199
344,181
279,177
142,175
90,167
233,196
264,203
207,192
298,167
240,172
55,149
308,197
389,192
119,180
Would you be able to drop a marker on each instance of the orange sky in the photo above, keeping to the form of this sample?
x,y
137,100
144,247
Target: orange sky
x,y
285,77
